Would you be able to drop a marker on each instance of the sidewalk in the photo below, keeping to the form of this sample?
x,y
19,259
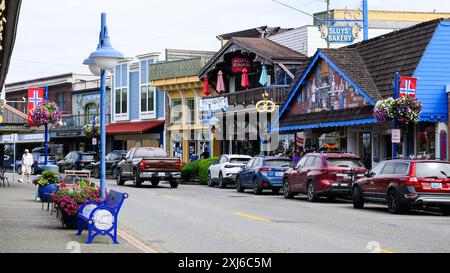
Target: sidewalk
x,y
25,228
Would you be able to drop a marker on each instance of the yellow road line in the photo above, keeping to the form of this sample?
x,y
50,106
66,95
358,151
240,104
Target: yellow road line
x,y
169,197
252,217
135,242
385,251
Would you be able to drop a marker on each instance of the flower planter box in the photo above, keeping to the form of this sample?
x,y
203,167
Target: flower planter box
x,y
45,192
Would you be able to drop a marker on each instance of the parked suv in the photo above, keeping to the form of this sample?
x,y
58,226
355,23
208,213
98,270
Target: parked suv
x,y
263,172
323,175
406,183
224,170
111,162
77,160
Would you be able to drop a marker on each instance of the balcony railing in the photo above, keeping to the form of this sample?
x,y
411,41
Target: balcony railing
x,y
90,85
78,121
277,93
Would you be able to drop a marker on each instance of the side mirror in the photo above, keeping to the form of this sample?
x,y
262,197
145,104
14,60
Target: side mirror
x,y
368,174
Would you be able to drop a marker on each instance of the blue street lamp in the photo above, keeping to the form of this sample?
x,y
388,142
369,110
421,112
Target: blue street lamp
x,y
103,59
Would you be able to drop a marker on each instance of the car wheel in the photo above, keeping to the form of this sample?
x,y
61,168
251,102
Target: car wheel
x,y
286,190
394,204
155,183
174,184
137,182
358,199
222,184
210,183
119,179
114,173
445,210
256,188
239,187
312,194
96,173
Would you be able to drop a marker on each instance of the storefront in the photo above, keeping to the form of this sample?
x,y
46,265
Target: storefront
x,y
333,99
242,72
126,135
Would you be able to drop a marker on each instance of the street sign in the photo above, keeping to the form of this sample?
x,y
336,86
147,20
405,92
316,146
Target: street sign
x,y
396,136
94,141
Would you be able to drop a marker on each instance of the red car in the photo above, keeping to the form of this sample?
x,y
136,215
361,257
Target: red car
x,y
406,183
323,174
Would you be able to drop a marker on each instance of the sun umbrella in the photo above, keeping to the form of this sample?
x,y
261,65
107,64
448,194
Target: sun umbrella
x,y
206,89
245,82
220,84
263,79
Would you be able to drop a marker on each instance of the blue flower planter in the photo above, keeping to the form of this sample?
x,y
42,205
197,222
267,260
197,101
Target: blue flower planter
x,y
46,192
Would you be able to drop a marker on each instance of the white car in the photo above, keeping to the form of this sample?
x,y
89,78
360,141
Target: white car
x,y
224,170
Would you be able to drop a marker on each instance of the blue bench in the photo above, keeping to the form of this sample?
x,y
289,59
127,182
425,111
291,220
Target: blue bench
x,y
100,218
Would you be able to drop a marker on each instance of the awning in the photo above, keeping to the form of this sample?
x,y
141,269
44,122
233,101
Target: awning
x,y
325,125
132,127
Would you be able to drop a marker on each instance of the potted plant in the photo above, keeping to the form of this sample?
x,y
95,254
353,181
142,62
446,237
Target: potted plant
x,y
46,113
91,131
405,109
69,198
47,185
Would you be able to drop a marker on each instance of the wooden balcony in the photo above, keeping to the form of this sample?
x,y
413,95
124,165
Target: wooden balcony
x,y
277,93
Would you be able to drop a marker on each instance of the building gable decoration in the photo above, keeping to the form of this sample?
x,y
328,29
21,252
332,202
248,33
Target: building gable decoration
x,y
303,79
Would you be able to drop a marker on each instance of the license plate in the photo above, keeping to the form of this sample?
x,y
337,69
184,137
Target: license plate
x,y
161,174
279,173
436,186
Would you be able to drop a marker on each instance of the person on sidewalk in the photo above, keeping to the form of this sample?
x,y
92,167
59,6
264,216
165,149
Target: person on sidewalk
x,y
27,162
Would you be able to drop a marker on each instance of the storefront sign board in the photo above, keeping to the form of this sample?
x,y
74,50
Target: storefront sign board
x,y
396,136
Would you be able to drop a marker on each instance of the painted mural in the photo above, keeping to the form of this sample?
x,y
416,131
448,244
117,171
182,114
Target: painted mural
x,y
326,90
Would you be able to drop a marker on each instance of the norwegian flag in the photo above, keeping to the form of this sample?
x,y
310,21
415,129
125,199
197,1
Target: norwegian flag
x,y
408,86
35,97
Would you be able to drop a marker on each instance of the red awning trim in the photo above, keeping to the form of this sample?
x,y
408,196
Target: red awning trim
x,y
132,127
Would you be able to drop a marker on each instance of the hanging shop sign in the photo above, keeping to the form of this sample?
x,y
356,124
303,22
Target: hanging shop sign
x,y
239,63
340,34
214,104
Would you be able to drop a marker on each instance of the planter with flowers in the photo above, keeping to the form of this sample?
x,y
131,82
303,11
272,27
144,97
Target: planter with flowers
x,y
405,109
47,185
46,113
69,198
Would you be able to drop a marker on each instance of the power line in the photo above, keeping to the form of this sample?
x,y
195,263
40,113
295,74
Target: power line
x,y
296,9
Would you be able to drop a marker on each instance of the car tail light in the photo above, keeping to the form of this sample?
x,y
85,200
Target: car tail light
x,y
142,165
264,169
180,164
38,161
412,181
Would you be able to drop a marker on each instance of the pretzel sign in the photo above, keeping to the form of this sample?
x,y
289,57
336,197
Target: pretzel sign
x,y
266,106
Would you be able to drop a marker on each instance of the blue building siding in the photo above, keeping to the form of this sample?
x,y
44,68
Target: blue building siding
x,y
134,96
433,73
160,104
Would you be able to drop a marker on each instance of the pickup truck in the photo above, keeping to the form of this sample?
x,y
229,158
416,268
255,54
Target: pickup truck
x,y
148,164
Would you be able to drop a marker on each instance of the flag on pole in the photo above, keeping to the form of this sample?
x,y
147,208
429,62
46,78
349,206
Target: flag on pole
x,y
408,86
35,97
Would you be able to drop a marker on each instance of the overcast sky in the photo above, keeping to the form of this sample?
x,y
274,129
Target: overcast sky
x,y
55,36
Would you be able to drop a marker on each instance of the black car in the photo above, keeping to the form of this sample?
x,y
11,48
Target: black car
x,y
112,159
77,160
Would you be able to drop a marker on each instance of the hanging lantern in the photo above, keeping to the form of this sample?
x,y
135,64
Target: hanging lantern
x,y
245,82
206,89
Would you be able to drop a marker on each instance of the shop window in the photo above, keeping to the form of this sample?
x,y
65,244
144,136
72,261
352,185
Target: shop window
x,y
427,140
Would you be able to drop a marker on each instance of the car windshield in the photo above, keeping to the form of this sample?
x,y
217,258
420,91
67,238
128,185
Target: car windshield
x,y
239,160
433,170
87,157
149,153
344,163
278,163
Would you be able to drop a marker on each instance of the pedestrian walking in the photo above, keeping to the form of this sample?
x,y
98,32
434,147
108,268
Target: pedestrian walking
x,y
27,162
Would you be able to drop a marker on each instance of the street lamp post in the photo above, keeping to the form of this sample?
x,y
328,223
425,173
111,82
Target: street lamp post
x,y
103,59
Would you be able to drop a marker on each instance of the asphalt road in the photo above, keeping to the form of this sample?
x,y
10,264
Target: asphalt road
x,y
197,218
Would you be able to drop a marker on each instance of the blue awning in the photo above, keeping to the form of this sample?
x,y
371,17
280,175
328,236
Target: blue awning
x,y
325,125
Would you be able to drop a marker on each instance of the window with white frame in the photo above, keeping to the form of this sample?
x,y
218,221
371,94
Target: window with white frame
x,y
121,90
177,112
190,117
147,92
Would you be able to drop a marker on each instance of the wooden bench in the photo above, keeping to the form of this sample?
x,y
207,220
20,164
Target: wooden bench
x,y
100,218
79,174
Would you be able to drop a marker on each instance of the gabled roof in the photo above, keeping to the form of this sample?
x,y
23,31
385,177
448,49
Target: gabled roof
x,y
256,32
372,64
268,50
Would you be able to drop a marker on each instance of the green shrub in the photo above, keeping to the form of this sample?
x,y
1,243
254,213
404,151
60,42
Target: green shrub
x,y
190,171
203,170
48,177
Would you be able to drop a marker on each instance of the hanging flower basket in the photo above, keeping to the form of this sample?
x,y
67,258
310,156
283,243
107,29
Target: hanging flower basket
x,y
405,109
91,131
46,113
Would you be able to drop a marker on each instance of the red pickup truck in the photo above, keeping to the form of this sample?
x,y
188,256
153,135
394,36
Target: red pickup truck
x,y
149,164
